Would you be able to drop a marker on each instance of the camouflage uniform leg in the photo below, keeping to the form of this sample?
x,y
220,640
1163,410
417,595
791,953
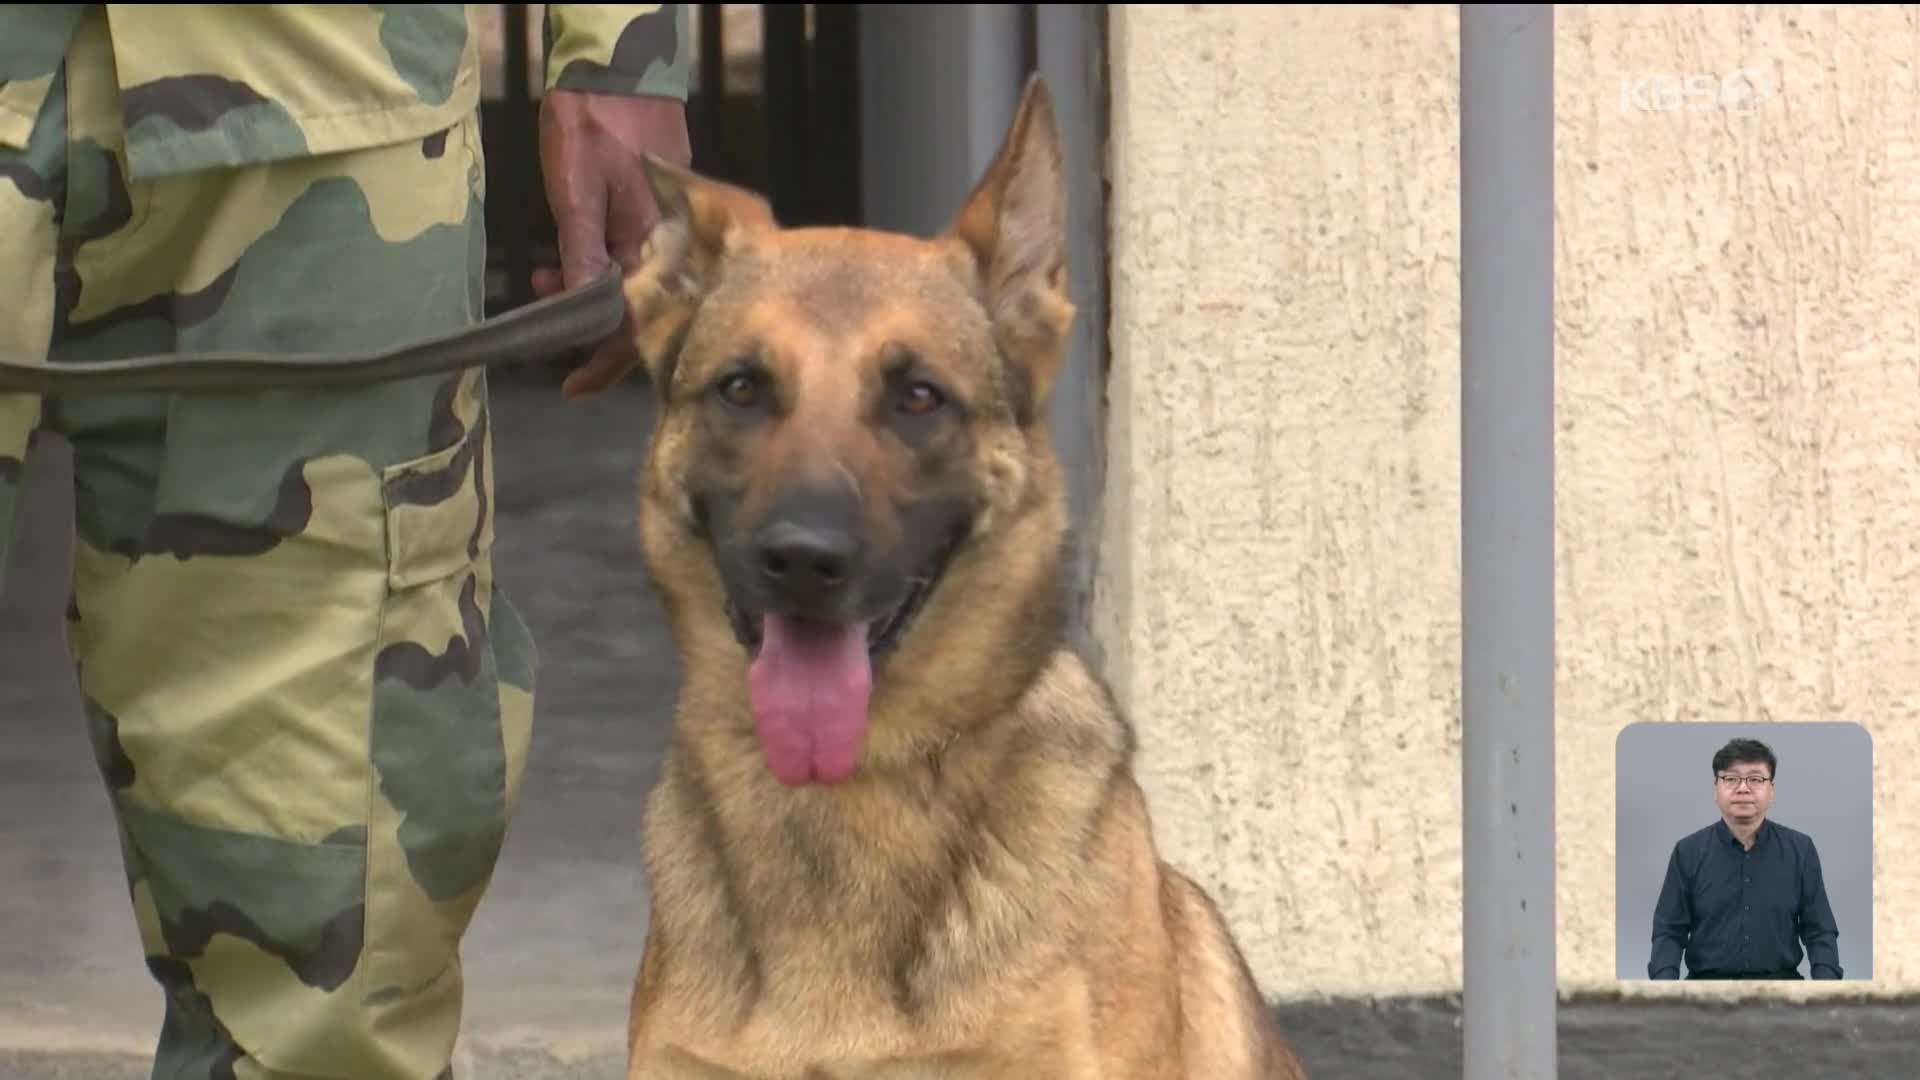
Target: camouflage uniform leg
x,y
28,181
309,702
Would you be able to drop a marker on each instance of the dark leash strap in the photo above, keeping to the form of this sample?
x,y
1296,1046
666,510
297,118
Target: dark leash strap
x,y
582,316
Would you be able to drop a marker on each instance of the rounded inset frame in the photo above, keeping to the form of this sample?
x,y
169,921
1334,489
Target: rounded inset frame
x,y
1724,862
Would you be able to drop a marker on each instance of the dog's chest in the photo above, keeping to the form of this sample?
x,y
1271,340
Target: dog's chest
x,y
846,969
676,1064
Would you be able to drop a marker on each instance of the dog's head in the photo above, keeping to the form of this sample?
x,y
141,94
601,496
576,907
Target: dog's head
x,y
850,485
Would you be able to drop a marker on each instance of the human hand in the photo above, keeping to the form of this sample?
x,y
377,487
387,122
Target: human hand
x,y
591,148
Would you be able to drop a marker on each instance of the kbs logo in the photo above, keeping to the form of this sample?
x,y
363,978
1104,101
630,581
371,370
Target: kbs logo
x,y
1743,90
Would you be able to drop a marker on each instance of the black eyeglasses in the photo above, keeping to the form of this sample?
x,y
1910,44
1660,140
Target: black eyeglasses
x,y
1756,782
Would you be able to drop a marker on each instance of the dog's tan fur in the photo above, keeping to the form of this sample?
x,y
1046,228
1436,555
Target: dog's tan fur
x,y
982,899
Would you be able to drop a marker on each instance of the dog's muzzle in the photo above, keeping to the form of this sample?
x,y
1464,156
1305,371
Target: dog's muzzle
x,y
810,561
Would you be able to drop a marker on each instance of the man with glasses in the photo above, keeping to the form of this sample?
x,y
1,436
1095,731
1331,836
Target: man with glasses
x,y
1743,895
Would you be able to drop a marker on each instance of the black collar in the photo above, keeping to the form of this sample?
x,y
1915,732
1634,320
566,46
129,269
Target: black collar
x,y
1760,835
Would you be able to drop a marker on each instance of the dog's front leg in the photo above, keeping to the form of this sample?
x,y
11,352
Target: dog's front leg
x,y
1058,1041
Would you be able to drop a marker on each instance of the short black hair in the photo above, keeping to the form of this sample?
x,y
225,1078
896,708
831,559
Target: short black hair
x,y
1744,750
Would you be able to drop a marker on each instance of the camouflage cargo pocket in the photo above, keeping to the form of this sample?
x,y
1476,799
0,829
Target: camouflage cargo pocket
x,y
446,762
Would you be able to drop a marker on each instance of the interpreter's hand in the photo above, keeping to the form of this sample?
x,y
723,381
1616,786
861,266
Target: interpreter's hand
x,y
591,146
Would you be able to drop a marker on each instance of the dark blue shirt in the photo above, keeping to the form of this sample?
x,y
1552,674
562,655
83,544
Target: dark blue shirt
x,y
1737,913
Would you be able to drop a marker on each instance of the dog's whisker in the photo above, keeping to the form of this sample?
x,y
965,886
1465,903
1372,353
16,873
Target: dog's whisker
x,y
853,478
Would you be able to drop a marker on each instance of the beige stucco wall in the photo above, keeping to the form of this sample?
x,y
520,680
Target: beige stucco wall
x,y
1738,454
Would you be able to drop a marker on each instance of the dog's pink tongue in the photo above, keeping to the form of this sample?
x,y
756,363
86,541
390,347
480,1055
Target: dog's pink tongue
x,y
809,688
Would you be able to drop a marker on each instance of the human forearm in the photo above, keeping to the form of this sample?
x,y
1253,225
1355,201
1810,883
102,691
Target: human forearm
x,y
1665,960
617,78
1672,924
1822,942
1819,930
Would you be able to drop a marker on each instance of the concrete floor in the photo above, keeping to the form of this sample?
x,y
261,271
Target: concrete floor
x,y
556,942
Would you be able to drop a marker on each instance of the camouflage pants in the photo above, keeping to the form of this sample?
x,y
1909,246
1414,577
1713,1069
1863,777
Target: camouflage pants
x,y
308,702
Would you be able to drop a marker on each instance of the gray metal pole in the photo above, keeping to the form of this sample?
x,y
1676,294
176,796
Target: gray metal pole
x,y
1507,579
1069,49
939,84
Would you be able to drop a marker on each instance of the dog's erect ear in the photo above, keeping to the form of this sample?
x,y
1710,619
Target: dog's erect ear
x,y
701,221
1013,231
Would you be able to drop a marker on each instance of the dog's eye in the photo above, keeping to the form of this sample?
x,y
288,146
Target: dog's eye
x,y
920,398
741,391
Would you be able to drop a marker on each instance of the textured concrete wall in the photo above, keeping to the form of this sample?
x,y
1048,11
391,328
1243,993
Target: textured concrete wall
x,y
1738,455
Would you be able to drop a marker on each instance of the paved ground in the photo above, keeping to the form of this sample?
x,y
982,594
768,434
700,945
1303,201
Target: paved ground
x,y
1421,1040
557,940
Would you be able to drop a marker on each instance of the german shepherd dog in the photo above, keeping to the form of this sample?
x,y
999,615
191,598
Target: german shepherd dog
x,y
895,834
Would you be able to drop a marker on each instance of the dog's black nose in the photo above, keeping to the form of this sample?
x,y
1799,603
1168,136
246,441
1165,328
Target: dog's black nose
x,y
806,568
